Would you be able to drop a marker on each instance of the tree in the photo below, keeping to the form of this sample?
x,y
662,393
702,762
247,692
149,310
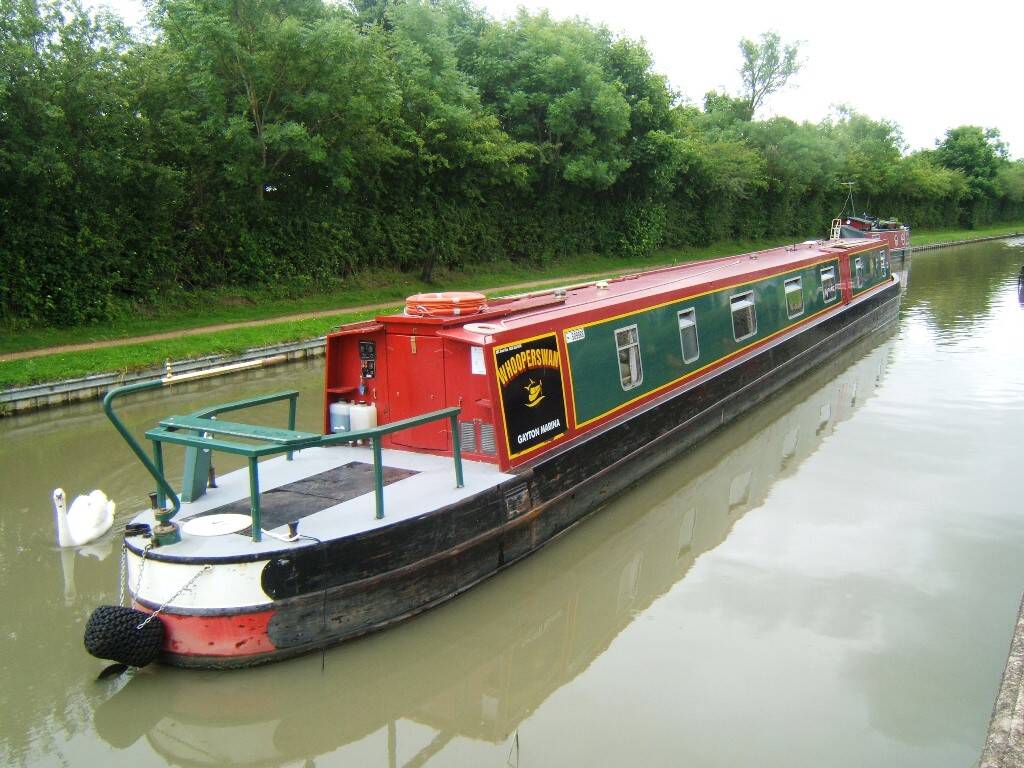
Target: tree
x,y
767,66
456,150
978,154
869,152
551,85
79,198
724,114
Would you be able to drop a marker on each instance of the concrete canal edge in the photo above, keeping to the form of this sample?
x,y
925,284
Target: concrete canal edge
x,y
1004,746
39,396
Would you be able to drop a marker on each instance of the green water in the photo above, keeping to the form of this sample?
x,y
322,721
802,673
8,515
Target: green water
x,y
831,581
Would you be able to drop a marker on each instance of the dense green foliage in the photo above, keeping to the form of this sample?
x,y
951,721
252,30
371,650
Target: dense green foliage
x,y
296,142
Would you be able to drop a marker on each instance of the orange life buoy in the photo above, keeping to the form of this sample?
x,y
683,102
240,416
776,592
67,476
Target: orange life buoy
x,y
447,304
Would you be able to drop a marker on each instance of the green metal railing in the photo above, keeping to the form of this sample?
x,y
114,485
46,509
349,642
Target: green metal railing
x,y
202,431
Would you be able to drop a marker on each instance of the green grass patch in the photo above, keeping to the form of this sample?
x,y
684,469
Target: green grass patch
x,y
930,236
131,357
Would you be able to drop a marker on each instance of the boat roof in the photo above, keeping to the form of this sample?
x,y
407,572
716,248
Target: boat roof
x,y
508,317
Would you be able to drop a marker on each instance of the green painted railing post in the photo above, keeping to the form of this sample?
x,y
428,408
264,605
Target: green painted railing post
x,y
457,449
291,421
378,475
254,497
158,461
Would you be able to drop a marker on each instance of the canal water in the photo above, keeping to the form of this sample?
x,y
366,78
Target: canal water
x,y
831,581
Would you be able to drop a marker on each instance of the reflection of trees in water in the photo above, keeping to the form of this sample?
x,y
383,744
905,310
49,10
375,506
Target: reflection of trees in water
x,y
479,666
955,286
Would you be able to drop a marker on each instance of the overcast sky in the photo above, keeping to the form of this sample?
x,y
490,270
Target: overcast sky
x,y
927,66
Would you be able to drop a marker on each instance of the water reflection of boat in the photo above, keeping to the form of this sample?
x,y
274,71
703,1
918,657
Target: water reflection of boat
x,y
479,667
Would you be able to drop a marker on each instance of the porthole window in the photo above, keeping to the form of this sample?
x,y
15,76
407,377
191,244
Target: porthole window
x,y
828,284
627,344
744,317
794,297
688,335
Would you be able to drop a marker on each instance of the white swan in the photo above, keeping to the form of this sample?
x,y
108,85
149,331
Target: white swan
x,y
89,518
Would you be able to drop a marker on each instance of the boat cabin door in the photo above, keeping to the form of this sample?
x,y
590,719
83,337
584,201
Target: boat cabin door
x,y
416,383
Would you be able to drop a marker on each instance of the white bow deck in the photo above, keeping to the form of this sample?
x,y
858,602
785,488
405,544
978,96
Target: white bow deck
x,y
431,488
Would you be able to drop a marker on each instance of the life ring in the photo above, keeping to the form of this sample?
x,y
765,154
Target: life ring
x,y
447,304
484,329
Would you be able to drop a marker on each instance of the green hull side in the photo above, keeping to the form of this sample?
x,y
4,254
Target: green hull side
x,y
596,384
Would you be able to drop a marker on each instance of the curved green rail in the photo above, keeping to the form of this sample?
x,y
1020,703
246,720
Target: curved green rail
x,y
164,488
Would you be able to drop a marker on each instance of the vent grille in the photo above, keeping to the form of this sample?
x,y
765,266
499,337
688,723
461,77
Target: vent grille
x,y
487,443
467,436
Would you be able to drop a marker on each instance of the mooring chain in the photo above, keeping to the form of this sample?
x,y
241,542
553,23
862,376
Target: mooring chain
x,y
176,595
142,567
123,581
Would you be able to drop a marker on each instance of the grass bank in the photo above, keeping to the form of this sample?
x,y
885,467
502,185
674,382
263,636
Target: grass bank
x,y
339,304
928,237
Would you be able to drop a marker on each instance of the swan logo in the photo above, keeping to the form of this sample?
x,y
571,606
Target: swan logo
x,y
534,393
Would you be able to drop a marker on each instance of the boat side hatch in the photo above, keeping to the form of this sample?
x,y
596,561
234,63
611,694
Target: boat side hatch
x,y
416,383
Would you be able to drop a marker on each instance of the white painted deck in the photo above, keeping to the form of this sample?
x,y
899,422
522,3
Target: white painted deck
x,y
433,487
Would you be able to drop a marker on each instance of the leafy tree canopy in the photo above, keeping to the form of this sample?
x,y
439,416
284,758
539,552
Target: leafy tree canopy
x,y
767,67
976,152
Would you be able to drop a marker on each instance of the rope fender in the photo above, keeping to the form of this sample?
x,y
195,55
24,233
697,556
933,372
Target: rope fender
x,y
124,635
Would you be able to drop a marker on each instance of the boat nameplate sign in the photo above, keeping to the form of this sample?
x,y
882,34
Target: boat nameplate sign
x,y
532,395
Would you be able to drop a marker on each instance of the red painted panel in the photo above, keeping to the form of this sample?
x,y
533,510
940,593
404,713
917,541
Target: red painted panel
x,y
845,278
469,391
416,386
238,635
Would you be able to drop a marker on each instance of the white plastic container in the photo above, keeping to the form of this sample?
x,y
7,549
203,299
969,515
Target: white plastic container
x,y
341,416
363,416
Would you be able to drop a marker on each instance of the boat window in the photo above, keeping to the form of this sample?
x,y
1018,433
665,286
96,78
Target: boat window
x,y
627,343
858,272
883,262
688,335
828,284
795,297
744,317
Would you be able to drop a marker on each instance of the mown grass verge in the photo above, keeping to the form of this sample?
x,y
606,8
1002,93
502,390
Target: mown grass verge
x,y
214,307
928,237
131,357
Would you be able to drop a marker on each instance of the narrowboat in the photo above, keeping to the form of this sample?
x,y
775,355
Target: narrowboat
x,y
890,231
460,436
490,672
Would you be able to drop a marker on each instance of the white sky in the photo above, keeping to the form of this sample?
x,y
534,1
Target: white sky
x,y
927,66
